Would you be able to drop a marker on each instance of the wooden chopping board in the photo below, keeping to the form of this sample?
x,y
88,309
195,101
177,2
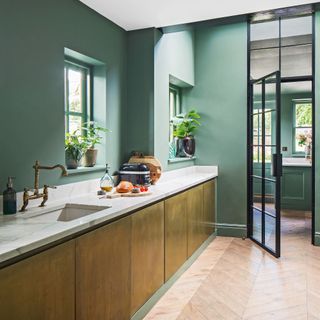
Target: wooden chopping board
x,y
128,195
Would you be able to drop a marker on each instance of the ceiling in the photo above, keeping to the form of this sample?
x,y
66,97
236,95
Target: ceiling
x,y
139,14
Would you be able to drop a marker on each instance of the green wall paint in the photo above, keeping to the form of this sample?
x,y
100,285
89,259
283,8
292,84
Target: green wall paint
x,y
33,36
173,56
220,94
287,119
140,99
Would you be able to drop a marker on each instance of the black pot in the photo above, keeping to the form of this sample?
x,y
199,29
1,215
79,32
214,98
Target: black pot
x,y
186,147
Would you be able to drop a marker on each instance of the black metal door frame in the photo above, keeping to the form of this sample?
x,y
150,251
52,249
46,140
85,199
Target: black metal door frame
x,y
276,165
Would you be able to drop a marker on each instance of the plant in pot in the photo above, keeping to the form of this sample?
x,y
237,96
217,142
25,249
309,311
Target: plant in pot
x,y
185,125
93,137
75,147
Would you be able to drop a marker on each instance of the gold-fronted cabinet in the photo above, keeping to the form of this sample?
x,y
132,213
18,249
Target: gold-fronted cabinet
x,y
209,205
40,287
147,256
195,218
103,272
176,243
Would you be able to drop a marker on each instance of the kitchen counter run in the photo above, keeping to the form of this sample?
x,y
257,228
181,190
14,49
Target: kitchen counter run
x,y
22,233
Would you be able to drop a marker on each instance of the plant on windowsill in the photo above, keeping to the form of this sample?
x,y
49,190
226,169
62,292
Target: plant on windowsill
x,y
92,138
185,125
75,147
305,139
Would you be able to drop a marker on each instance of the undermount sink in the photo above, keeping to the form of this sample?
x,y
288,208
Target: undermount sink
x,y
68,212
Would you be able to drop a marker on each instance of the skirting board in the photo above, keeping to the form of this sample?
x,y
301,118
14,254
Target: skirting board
x,y
231,230
141,313
317,239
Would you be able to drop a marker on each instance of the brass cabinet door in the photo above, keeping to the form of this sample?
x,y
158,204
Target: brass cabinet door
x,y
147,257
103,272
41,287
175,233
195,217
209,207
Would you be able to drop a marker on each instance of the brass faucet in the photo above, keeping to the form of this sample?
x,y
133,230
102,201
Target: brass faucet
x,y
36,194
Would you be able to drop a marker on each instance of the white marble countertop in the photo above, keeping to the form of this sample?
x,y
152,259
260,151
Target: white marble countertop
x,y
22,233
296,162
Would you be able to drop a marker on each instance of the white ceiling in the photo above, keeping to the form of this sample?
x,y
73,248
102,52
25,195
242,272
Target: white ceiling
x,y
139,14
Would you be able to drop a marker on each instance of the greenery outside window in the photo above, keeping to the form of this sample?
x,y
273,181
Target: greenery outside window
x,y
257,135
174,106
78,102
302,122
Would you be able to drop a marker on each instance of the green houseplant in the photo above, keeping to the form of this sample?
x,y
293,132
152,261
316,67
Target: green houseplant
x,y
75,147
185,125
92,138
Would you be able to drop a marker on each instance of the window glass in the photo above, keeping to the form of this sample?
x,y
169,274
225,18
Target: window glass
x,y
77,97
174,106
302,131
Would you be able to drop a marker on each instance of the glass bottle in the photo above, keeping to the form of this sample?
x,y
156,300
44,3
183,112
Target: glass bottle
x,y
9,198
106,182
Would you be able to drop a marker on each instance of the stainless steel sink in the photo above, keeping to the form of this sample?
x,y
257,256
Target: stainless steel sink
x,y
67,212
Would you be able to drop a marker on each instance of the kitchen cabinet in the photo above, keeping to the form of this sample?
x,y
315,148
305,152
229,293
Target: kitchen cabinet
x,y
103,272
40,287
147,257
209,203
175,233
195,218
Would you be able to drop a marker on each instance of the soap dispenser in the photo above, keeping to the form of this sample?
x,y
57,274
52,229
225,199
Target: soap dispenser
x,y
9,198
106,182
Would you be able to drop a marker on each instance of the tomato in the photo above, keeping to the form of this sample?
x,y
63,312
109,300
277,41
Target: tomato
x,y
146,188
142,188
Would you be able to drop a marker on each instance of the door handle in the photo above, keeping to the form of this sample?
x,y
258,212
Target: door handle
x,y
276,165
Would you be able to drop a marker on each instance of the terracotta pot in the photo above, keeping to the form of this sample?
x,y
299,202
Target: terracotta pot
x,y
90,158
71,163
186,147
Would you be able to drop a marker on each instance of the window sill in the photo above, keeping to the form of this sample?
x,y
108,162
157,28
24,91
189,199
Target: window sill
x,y
174,160
81,170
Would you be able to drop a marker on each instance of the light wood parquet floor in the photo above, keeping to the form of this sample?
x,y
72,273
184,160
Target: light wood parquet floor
x,y
236,279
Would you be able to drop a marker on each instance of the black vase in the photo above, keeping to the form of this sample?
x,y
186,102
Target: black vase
x,y
186,147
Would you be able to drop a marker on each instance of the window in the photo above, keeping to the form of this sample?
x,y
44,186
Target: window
x,y
257,135
78,106
302,123
174,106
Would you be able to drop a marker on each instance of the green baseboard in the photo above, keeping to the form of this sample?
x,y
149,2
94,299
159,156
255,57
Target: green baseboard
x,y
231,230
142,312
317,239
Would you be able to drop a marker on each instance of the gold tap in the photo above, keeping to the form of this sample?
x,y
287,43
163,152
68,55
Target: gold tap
x,y
36,194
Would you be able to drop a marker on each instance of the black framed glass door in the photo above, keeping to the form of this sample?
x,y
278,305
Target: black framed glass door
x,y
265,163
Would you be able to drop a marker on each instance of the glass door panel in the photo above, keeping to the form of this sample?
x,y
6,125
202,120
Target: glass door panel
x,y
265,163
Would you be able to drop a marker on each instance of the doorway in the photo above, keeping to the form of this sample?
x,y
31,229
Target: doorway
x,y
280,127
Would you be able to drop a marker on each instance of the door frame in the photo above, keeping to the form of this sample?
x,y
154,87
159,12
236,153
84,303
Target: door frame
x,y
291,79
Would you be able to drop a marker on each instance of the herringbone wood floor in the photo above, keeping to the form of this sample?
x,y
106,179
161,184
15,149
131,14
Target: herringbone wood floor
x,y
235,279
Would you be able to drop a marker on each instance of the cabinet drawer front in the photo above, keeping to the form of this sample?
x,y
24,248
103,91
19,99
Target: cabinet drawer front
x,y
175,234
147,254
40,287
103,272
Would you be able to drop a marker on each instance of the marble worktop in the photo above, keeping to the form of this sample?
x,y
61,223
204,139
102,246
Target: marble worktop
x,y
296,162
22,233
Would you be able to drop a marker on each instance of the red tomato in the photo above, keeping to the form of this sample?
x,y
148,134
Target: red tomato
x,y
146,188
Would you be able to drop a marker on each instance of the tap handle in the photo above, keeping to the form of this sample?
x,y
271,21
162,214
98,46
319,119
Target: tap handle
x,y
50,187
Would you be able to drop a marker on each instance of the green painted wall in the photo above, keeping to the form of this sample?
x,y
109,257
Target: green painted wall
x,y
140,98
33,35
317,125
287,119
220,94
173,56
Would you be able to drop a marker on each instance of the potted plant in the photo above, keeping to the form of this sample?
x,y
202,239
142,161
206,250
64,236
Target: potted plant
x,y
185,125
92,138
305,139
75,147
